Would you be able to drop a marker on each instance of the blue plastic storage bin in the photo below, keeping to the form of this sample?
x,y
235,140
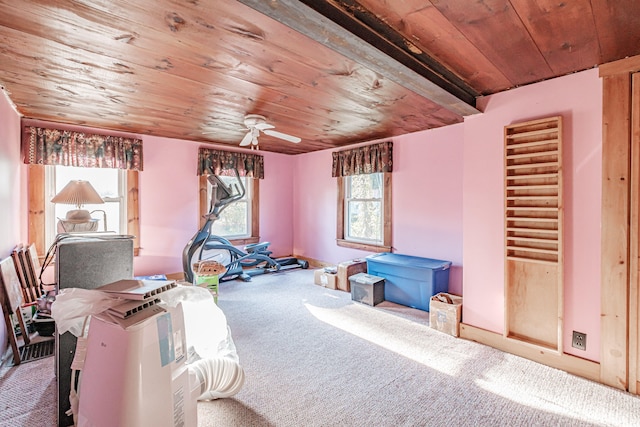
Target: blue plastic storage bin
x,y
410,280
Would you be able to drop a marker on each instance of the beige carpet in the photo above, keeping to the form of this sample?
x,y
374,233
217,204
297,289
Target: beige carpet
x,y
27,394
312,357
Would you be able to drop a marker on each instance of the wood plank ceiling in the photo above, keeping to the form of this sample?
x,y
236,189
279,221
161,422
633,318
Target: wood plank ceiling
x,y
333,73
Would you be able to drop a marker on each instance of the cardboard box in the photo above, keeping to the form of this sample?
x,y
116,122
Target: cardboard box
x,y
445,313
347,269
317,276
322,278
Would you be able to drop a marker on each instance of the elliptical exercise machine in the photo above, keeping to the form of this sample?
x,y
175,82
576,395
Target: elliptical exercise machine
x,y
254,260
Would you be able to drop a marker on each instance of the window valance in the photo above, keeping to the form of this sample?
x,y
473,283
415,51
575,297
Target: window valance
x,y
363,160
218,162
45,146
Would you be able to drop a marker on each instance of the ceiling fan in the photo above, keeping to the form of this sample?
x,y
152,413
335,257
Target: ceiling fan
x,y
256,124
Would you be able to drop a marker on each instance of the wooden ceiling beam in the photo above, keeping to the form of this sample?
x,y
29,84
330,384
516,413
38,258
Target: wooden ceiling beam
x,y
313,24
357,19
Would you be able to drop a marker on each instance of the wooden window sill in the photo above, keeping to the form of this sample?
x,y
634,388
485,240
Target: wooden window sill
x,y
245,241
362,246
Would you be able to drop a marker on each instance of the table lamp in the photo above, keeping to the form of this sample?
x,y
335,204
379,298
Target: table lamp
x,y
78,193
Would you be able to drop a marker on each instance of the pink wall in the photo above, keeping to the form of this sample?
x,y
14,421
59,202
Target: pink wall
x,y
169,203
314,217
276,203
577,98
10,174
427,201
168,196
447,196
427,197
10,189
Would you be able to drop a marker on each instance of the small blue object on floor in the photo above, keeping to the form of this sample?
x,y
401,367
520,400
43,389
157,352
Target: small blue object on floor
x,y
153,277
367,289
410,280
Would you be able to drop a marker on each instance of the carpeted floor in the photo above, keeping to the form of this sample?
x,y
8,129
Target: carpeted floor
x,y
28,394
312,357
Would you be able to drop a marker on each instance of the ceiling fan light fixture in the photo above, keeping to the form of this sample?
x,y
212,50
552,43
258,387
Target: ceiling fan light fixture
x,y
256,123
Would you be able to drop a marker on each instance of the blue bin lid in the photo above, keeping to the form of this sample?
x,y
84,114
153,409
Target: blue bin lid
x,y
409,261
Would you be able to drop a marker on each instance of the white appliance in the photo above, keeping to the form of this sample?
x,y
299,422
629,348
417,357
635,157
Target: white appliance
x,y
135,372
146,362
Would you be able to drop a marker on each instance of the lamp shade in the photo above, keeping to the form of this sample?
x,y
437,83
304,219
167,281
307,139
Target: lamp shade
x,y
79,193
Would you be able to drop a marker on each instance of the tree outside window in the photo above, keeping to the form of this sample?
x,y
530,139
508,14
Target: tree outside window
x,y
235,220
364,208
364,212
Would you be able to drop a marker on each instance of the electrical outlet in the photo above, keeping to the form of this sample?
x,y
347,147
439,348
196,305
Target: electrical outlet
x,y
579,340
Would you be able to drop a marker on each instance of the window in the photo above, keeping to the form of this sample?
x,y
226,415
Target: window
x,y
40,215
363,208
242,219
364,212
110,185
235,220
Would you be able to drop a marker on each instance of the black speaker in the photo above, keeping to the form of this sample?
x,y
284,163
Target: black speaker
x,y
85,262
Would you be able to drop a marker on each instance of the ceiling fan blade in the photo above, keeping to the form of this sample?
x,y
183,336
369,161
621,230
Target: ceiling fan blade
x,y
263,126
247,139
281,135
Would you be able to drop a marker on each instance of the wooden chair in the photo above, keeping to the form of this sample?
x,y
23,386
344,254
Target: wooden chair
x,y
25,259
17,262
11,299
37,297
33,267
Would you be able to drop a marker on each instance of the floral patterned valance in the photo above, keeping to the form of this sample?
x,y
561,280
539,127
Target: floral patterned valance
x,y
220,162
363,160
44,146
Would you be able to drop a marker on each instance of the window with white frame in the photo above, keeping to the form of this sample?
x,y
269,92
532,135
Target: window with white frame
x,y
236,219
111,185
364,208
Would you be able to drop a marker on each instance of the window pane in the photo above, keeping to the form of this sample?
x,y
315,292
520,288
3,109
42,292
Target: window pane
x,y
367,186
235,219
105,181
109,212
365,220
364,208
